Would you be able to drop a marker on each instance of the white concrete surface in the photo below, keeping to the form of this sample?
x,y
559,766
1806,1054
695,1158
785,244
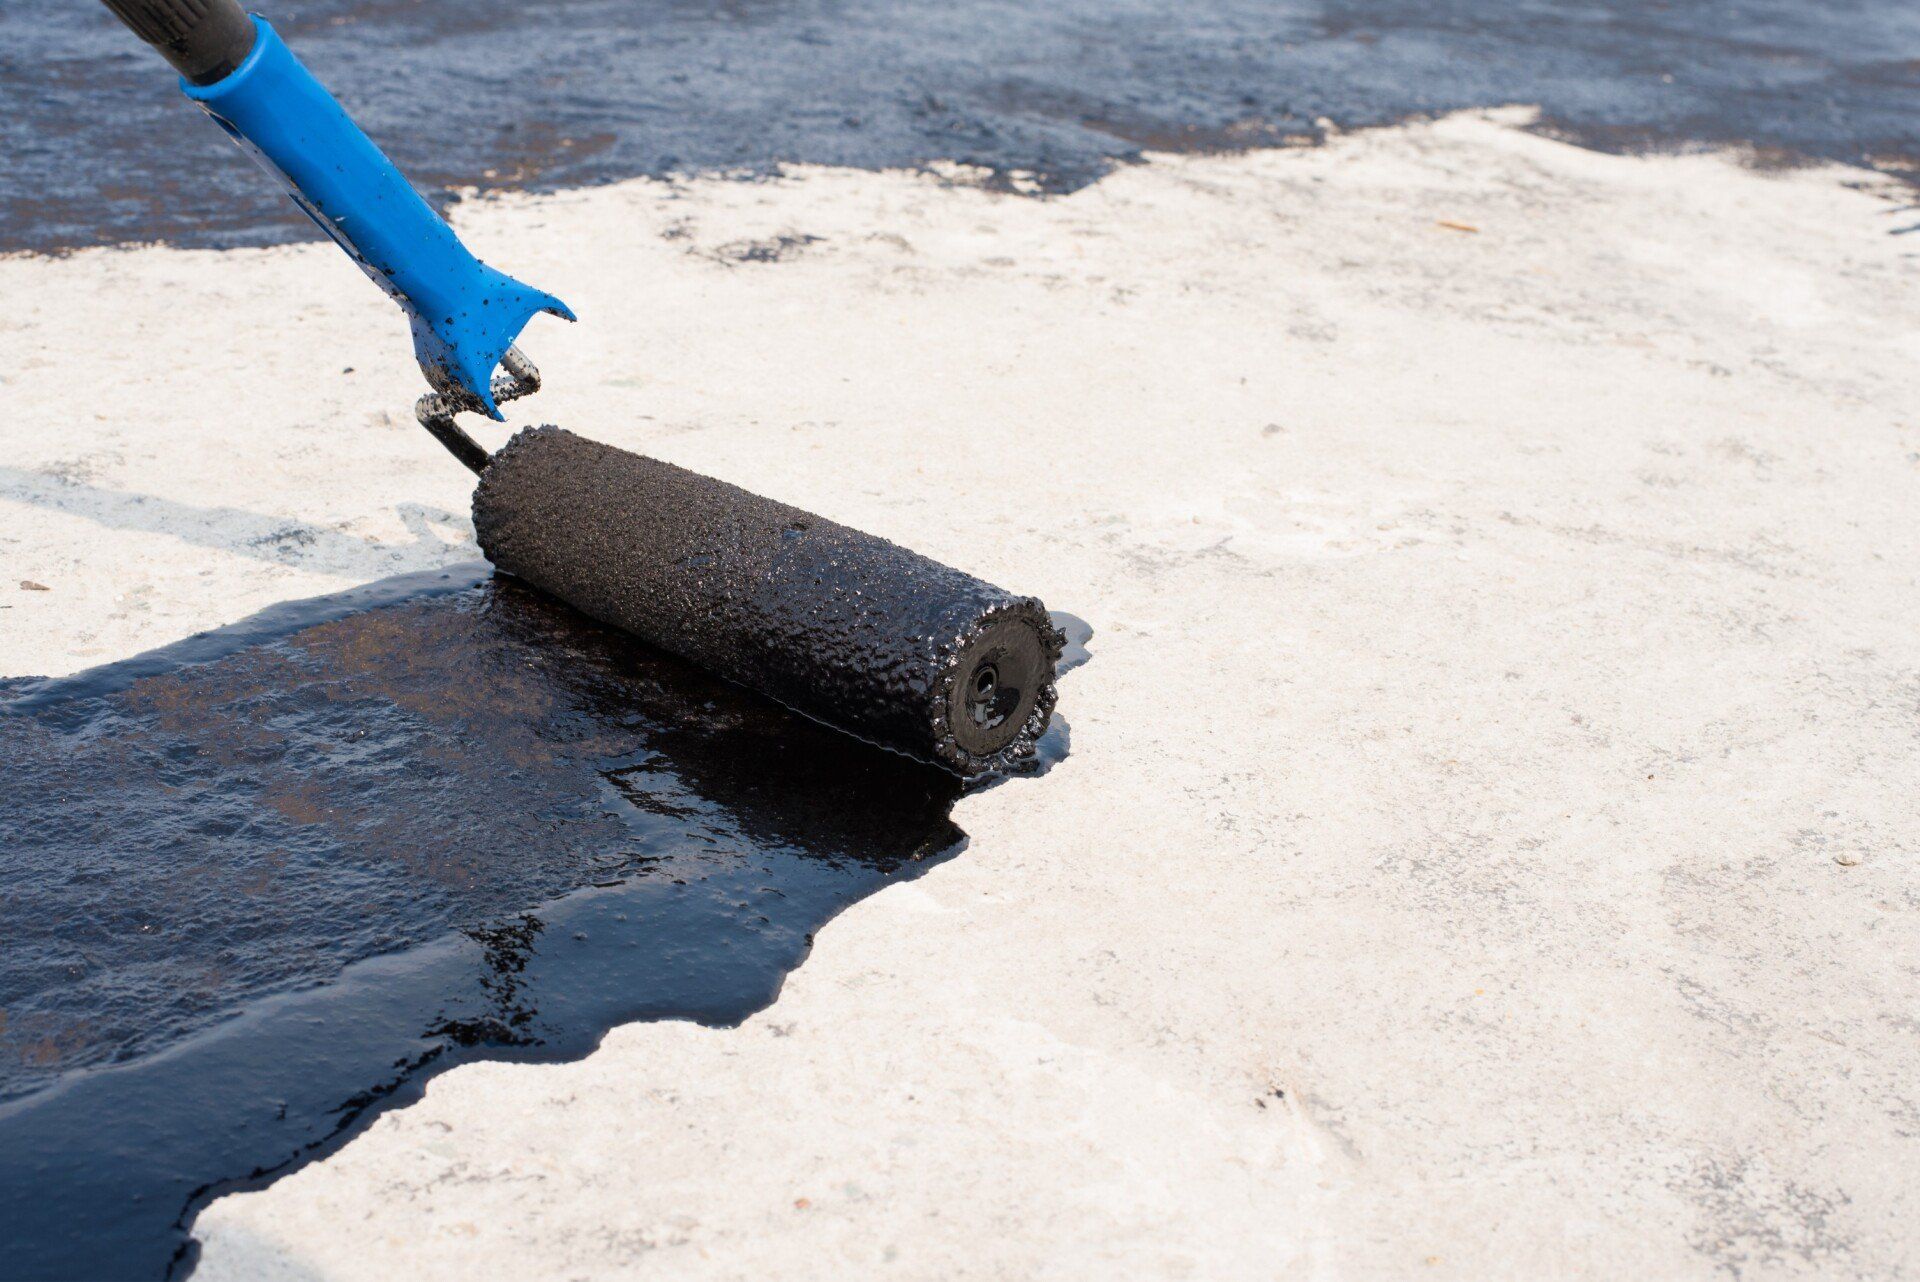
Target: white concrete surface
x,y
1489,844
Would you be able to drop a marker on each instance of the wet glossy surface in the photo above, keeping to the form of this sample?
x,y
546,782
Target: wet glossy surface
x,y
255,886
100,147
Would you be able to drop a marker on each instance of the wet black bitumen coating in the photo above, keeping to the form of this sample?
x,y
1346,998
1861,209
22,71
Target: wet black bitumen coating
x,y
99,147
257,886
846,627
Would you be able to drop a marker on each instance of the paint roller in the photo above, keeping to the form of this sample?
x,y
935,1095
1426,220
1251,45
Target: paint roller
x,y
843,626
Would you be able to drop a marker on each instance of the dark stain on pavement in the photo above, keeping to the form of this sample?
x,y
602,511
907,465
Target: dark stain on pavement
x,y
488,94
258,886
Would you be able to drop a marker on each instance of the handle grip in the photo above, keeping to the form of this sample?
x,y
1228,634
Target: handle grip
x,y
464,314
203,39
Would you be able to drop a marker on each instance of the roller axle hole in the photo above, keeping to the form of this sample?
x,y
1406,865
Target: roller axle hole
x,y
989,699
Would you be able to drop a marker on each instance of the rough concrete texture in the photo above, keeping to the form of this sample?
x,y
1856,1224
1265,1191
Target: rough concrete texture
x,y
1488,845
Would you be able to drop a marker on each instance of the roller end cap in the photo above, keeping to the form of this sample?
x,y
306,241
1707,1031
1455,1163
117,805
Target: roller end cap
x,y
1000,691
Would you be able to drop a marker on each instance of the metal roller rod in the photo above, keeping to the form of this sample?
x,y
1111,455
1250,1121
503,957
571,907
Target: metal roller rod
x,y
435,410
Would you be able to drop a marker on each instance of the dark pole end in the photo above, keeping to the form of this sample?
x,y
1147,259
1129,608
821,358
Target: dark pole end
x,y
205,40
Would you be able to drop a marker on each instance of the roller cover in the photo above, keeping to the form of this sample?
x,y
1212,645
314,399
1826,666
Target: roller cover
x,y
845,627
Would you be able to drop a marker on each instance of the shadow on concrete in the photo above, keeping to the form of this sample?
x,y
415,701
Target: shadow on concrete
x,y
261,536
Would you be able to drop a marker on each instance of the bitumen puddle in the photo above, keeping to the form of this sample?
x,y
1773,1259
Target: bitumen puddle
x,y
257,886
100,146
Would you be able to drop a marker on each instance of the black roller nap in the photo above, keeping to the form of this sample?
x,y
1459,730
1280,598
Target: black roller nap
x,y
851,629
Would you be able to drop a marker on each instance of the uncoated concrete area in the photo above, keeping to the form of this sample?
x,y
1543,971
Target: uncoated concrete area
x,y
1487,849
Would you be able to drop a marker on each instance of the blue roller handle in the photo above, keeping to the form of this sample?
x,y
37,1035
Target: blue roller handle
x,y
464,313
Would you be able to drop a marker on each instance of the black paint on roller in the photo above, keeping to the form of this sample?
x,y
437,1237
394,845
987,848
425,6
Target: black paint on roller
x,y
843,626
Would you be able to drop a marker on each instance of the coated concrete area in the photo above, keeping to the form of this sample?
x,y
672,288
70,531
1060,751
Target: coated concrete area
x,y
530,97
1488,845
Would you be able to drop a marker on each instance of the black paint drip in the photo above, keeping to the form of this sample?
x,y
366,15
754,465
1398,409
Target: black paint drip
x,y
259,885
